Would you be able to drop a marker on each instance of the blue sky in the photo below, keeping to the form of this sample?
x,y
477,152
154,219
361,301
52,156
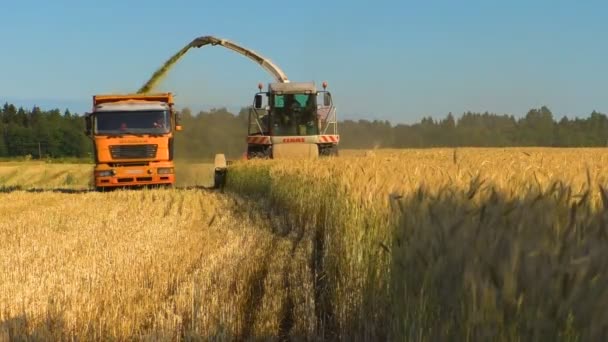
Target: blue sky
x,y
395,60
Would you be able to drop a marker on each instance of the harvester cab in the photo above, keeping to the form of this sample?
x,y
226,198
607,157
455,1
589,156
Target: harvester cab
x,y
292,120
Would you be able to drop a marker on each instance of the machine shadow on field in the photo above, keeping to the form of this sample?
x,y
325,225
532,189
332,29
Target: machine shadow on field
x,y
55,329
487,264
19,328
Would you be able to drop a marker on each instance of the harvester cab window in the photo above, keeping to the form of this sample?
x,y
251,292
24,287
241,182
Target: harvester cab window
x,y
295,114
302,100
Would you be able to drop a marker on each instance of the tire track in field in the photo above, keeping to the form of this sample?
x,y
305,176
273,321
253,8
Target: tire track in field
x,y
281,230
256,280
287,311
301,234
257,290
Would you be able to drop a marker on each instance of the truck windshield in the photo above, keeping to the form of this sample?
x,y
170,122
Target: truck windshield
x,y
137,122
295,114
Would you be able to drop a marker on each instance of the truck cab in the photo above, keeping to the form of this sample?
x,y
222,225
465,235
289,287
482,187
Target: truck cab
x,y
133,139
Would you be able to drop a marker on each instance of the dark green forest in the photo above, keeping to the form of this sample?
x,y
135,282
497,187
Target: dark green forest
x,y
40,133
58,134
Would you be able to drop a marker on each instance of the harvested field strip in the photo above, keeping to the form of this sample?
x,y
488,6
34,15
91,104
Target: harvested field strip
x,y
44,176
159,264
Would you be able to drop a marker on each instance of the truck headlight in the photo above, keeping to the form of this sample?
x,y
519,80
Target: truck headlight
x,y
105,173
165,170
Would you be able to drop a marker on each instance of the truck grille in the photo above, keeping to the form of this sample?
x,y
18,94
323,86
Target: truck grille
x,y
133,151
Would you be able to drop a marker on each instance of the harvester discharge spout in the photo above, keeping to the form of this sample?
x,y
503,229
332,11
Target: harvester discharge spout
x,y
266,63
199,42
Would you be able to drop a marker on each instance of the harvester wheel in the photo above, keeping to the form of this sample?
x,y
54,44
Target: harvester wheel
x,y
334,151
328,151
259,151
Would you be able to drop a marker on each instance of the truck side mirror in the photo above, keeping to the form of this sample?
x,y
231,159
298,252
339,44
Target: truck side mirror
x,y
178,120
88,124
326,99
258,101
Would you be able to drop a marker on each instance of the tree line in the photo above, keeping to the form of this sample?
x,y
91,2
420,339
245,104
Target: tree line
x,y
42,134
56,134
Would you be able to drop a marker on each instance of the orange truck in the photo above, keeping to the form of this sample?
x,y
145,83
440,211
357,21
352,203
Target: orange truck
x,y
133,139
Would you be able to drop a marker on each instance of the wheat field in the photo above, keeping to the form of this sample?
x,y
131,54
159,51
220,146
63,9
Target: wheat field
x,y
451,244
430,244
